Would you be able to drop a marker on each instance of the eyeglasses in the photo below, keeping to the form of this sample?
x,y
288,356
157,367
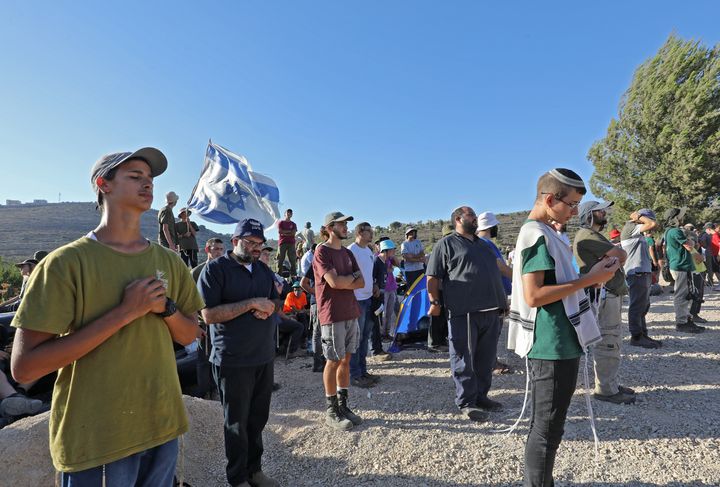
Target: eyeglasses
x,y
252,243
572,206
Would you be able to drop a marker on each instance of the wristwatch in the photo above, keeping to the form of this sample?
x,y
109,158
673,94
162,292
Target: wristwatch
x,y
435,302
170,308
356,274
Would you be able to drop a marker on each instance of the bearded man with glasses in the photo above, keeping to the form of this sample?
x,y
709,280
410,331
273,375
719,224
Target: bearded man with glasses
x,y
240,297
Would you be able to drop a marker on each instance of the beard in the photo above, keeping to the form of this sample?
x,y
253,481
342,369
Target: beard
x,y
469,227
339,234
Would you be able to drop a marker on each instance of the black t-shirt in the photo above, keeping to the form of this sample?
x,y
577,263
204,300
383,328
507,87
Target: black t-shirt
x,y
244,341
469,274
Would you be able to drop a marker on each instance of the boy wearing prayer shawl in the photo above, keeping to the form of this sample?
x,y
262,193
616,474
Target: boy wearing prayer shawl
x,y
550,319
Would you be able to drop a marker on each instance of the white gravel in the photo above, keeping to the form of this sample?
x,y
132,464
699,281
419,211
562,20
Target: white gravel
x,y
412,434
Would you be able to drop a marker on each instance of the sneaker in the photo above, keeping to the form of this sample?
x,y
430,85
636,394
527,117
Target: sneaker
x,y
619,398
259,479
501,368
371,377
382,356
18,405
689,327
475,414
489,405
698,319
690,320
659,342
334,417
644,342
345,410
626,390
361,382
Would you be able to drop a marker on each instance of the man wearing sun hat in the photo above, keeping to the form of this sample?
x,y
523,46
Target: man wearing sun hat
x,y
187,243
118,302
589,247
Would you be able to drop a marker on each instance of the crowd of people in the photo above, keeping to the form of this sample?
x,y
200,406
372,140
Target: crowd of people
x,y
118,302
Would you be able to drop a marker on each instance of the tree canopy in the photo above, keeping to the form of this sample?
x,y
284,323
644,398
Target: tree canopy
x,y
663,150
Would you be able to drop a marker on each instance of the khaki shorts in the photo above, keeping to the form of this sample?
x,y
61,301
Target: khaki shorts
x,y
339,339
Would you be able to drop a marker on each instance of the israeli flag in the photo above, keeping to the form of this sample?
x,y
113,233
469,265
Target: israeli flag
x,y
228,190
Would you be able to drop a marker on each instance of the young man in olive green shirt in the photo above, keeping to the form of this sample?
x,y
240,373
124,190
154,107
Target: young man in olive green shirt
x,y
589,247
104,311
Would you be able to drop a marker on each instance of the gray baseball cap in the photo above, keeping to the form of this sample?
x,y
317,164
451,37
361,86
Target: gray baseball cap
x,y
155,159
336,216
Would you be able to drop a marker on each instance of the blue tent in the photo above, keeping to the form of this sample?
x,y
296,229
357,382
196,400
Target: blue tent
x,y
413,309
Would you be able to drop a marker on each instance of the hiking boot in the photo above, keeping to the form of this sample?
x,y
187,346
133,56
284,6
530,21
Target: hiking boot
x,y
644,342
18,405
698,319
361,382
626,390
334,417
659,342
489,405
475,414
689,327
372,378
618,398
345,410
259,479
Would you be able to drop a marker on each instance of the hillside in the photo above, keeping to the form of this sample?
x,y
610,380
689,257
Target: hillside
x,y
28,228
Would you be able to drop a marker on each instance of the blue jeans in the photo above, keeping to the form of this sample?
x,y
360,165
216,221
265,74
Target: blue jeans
x,y
358,361
154,467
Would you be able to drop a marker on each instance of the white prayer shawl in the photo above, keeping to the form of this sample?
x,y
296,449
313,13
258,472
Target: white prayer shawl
x,y
577,305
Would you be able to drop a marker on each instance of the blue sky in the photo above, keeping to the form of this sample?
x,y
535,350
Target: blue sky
x,y
386,110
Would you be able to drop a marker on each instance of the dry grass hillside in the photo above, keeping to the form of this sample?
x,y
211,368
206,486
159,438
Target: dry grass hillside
x,y
28,228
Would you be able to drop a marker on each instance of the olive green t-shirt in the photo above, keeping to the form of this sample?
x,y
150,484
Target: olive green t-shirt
x,y
186,243
165,216
124,396
554,336
589,247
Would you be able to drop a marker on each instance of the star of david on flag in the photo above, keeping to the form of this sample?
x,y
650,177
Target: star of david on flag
x,y
229,191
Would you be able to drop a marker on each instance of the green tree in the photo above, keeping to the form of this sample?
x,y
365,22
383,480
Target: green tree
x,y
663,150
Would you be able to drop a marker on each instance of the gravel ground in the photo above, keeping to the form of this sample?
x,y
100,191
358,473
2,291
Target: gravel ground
x,y
413,436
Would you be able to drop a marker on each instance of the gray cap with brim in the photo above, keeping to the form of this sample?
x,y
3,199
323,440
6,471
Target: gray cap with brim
x,y
335,217
152,156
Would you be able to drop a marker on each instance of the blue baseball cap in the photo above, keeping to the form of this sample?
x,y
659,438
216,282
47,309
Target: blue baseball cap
x,y
249,227
386,245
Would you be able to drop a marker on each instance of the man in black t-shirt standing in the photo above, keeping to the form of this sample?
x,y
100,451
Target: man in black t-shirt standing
x,y
475,300
240,298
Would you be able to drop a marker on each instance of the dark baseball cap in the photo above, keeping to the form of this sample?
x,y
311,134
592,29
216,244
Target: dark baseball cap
x,y
154,158
589,206
249,227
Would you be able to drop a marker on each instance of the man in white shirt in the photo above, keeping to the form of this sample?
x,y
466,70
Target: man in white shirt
x,y
359,375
